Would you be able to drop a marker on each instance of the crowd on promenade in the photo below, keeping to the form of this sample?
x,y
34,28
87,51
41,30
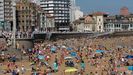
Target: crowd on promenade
x,y
83,56
19,34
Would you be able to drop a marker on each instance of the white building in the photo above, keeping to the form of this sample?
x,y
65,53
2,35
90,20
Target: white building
x,y
42,22
50,23
46,22
78,14
75,12
118,23
99,19
99,23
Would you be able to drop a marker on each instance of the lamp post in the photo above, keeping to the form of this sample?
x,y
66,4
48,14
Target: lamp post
x,y
2,24
46,22
14,23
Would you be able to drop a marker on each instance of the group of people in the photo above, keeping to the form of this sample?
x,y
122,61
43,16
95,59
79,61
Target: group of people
x,y
19,34
75,56
26,34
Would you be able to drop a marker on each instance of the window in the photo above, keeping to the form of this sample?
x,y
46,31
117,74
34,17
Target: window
x,y
131,29
23,27
117,25
131,25
26,8
99,27
22,8
99,19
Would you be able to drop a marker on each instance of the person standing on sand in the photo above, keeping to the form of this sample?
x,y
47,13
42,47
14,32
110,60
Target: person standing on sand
x,y
14,59
18,46
55,66
23,70
82,64
17,70
14,72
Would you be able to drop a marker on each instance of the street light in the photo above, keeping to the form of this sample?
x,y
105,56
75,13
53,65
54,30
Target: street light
x,y
2,25
14,23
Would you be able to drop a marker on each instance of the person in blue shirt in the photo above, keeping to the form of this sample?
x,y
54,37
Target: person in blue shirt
x,y
14,59
55,66
82,64
14,72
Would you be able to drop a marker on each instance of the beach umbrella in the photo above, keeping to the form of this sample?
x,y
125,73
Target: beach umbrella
x,y
73,54
68,58
130,68
100,51
129,56
63,46
41,57
29,50
53,49
69,48
71,69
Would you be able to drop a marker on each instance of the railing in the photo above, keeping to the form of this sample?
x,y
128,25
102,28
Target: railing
x,y
27,35
102,34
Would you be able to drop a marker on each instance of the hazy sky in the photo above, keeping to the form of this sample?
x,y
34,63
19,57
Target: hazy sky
x,y
110,6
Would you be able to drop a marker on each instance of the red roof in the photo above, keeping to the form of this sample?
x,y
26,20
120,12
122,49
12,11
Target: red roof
x,y
99,13
124,8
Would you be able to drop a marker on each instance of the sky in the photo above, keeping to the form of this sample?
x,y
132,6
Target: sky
x,y
109,6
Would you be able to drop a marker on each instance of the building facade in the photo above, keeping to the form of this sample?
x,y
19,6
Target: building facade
x,y
6,13
91,22
46,22
78,13
102,22
99,19
50,23
27,16
118,23
121,22
84,24
42,19
1,13
2,10
75,12
59,9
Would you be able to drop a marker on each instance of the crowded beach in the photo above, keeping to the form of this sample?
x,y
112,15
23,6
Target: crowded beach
x,y
82,56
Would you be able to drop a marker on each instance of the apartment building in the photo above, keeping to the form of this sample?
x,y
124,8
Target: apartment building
x,y
60,10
